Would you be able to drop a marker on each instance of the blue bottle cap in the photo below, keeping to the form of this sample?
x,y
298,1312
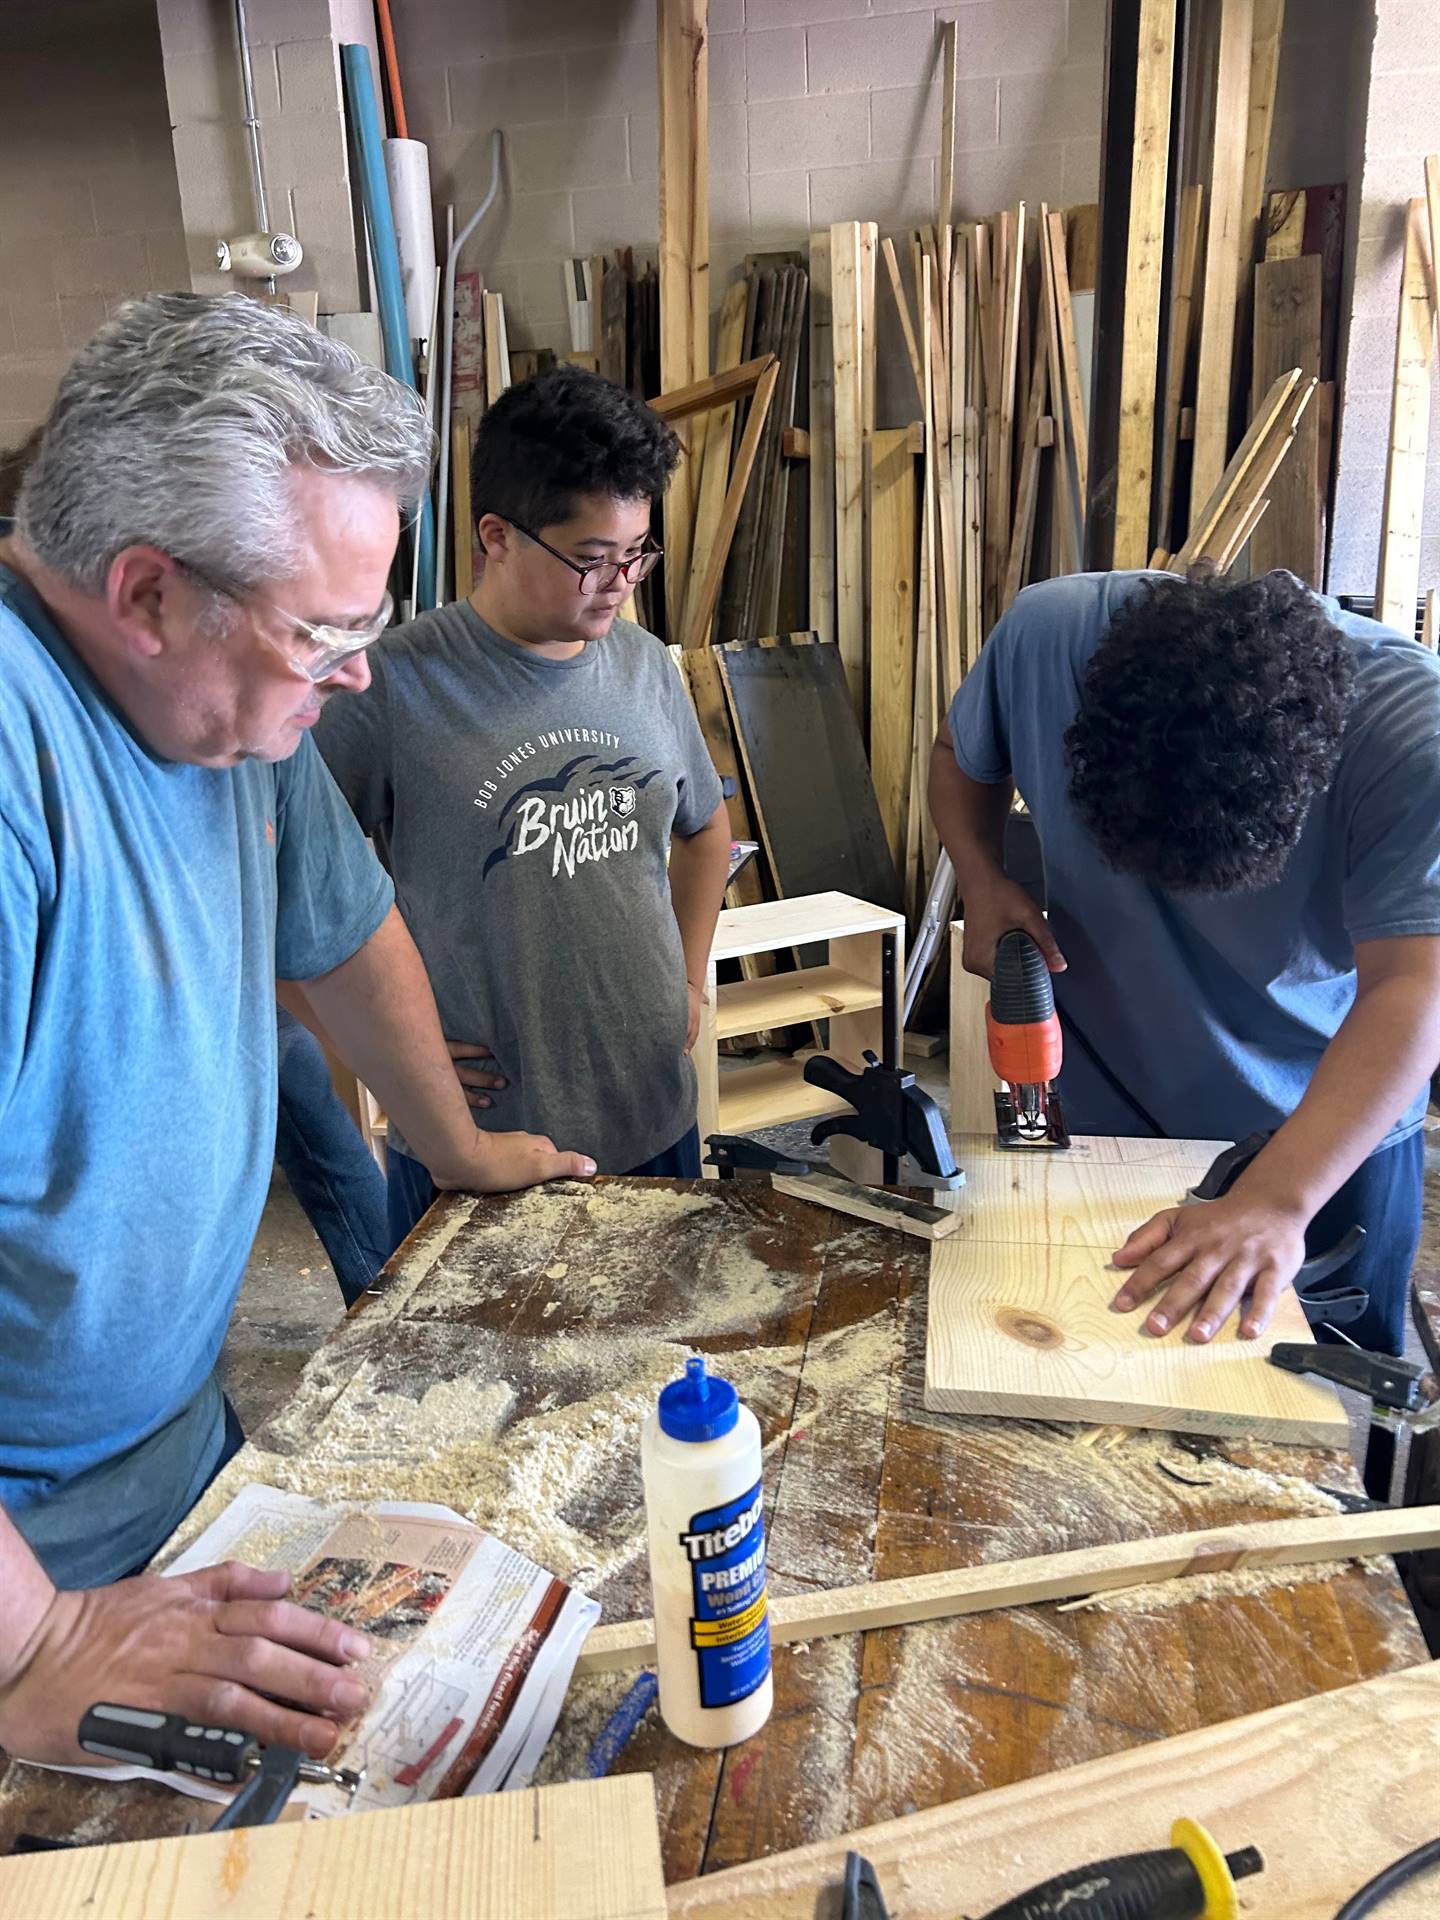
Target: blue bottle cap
x,y
702,1406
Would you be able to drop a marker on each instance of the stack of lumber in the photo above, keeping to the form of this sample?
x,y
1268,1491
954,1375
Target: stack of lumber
x,y
1398,586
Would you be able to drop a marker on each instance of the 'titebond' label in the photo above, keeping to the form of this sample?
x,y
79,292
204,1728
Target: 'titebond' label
x,y
730,1625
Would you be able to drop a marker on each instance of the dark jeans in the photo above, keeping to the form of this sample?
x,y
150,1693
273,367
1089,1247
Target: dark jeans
x,y
411,1190
1384,1197
327,1164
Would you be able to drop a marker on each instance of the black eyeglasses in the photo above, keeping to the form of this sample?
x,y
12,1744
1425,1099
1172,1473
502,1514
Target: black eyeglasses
x,y
601,575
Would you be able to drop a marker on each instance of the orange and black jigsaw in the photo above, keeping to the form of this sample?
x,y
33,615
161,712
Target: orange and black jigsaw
x,y
1023,1029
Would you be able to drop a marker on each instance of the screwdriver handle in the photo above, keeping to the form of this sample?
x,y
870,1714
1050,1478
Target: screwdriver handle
x,y
168,1742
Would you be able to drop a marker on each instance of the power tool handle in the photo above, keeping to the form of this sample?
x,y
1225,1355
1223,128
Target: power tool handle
x,y
1136,1886
167,1742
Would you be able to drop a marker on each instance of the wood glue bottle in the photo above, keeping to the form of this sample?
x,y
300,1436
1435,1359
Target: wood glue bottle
x,y
705,1504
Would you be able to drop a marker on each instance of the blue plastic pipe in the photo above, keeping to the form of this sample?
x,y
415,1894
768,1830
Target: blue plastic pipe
x,y
385,251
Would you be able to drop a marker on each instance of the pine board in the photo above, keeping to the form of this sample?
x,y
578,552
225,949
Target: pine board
x,y
1367,1755
590,1851
1019,1315
1287,334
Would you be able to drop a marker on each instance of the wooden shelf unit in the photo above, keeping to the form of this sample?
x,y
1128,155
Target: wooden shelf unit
x,y
859,990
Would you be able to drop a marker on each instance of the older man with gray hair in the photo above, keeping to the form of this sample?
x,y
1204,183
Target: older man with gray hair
x,y
198,562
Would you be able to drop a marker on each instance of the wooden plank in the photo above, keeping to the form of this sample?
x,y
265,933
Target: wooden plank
x,y
1430,624
814,800
1223,236
1053,1576
684,196
907,325
848,356
714,458
1266,32
462,514
715,390
822,443
812,993
1287,334
1020,1321
1082,246
1144,267
892,629
948,63
798,923
1009,383
882,1209
588,1851
1275,408
1253,1781
497,348
1285,224
734,498
615,297
1029,481
1182,340
1070,359
1398,585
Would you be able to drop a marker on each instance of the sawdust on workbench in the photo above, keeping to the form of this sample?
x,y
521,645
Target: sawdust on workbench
x,y
1239,1582
919,1729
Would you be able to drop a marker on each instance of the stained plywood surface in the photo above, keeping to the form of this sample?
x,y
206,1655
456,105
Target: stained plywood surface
x,y
1019,1314
1373,1750
589,1851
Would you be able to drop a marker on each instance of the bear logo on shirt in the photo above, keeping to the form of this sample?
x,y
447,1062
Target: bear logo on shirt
x,y
622,802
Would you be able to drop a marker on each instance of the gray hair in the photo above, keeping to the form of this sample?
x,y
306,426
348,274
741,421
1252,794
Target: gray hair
x,y
178,426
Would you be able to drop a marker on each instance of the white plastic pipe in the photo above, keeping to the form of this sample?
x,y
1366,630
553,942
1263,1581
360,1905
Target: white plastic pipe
x,y
452,260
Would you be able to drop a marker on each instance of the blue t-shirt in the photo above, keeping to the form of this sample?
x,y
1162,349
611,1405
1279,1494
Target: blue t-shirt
x,y
146,908
1211,1011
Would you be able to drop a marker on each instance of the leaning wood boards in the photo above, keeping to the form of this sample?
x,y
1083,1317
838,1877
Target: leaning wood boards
x,y
585,1852
1371,1752
1020,1321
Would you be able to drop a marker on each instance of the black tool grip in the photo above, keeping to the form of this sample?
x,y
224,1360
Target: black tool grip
x,y
141,1737
1021,991
1139,1886
823,1071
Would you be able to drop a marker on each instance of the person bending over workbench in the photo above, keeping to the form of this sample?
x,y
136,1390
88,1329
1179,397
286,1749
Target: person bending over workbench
x,y
522,761
1237,793
198,561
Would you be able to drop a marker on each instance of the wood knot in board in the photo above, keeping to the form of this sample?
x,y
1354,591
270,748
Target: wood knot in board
x,y
1029,1328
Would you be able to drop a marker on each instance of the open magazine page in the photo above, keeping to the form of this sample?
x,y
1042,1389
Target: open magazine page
x,y
472,1645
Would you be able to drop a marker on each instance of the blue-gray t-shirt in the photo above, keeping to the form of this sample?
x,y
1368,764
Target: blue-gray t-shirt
x,y
148,907
524,806
1212,1011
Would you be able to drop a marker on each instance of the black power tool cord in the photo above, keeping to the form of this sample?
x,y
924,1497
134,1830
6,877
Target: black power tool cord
x,y
1398,1874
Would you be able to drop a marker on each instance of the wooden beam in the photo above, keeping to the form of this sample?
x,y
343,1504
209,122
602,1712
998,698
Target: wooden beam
x,y
497,348
822,443
1267,30
713,454
1232,507
1430,626
1256,1781
684,196
715,390
907,325
462,515
590,1850
1204,520
1182,339
892,630
1287,334
709,594
847,339
1223,240
917,1218
1144,270
1285,224
1055,1576
1398,585
948,62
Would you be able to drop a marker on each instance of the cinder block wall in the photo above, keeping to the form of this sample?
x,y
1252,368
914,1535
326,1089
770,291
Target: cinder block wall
x,y
295,60
1401,125
89,209
820,110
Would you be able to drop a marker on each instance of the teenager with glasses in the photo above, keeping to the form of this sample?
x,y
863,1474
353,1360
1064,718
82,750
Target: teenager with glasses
x,y
524,761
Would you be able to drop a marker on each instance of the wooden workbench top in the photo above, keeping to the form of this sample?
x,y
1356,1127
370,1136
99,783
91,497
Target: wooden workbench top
x,y
506,1367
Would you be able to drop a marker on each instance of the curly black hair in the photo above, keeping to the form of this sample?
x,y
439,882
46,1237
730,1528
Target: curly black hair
x,y
561,434
1210,717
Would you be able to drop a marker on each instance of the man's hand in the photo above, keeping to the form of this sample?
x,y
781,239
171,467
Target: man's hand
x,y
698,999
475,1080
505,1162
1217,1254
993,911
220,1646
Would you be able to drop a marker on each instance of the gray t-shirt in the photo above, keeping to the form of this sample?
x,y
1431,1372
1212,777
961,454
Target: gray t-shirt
x,y
524,807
